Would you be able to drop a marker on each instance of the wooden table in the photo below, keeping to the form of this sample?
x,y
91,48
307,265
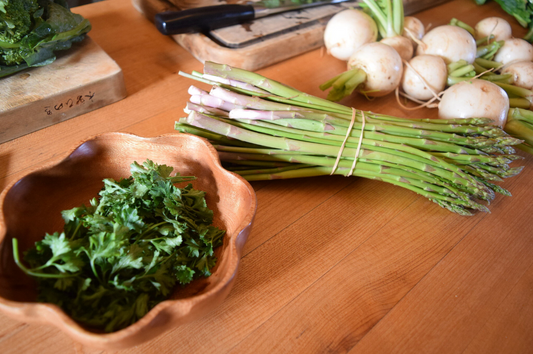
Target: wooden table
x,y
333,264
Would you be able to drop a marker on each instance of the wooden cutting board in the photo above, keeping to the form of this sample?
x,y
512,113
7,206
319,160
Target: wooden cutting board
x,y
82,79
264,41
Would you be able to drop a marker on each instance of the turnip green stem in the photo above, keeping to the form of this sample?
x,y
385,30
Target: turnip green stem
x,y
467,69
489,49
484,40
458,23
344,84
389,16
529,35
519,103
488,64
520,124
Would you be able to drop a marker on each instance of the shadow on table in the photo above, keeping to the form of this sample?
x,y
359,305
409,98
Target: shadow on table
x,y
4,168
73,3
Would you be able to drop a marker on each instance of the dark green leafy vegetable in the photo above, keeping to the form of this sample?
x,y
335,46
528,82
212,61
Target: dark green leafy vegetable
x,y
119,257
31,31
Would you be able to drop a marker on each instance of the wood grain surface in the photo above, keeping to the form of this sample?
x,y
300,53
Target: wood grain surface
x,y
82,79
333,264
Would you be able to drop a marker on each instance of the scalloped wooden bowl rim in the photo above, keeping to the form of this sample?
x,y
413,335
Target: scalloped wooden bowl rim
x,y
117,339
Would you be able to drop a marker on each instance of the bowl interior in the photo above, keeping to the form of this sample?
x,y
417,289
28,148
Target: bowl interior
x,y
32,206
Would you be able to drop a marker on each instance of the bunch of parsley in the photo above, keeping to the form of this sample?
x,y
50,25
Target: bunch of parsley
x,y
119,257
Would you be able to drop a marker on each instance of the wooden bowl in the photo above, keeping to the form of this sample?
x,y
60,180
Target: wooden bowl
x,y
31,207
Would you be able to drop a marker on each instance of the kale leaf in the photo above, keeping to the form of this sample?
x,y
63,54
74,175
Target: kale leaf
x,y
31,31
124,253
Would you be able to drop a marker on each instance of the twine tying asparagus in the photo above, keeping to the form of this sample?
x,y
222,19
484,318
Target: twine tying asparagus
x,y
358,144
341,149
348,133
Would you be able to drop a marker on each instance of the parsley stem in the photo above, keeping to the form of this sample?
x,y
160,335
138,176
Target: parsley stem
x,y
75,231
180,179
161,261
94,270
141,236
46,265
31,271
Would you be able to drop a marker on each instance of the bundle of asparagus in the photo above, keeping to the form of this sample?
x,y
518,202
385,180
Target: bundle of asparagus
x,y
263,130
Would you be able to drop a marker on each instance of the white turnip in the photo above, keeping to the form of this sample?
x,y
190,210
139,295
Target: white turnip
x,y
495,26
451,43
375,69
402,45
424,77
514,50
413,29
475,99
382,65
522,72
347,31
